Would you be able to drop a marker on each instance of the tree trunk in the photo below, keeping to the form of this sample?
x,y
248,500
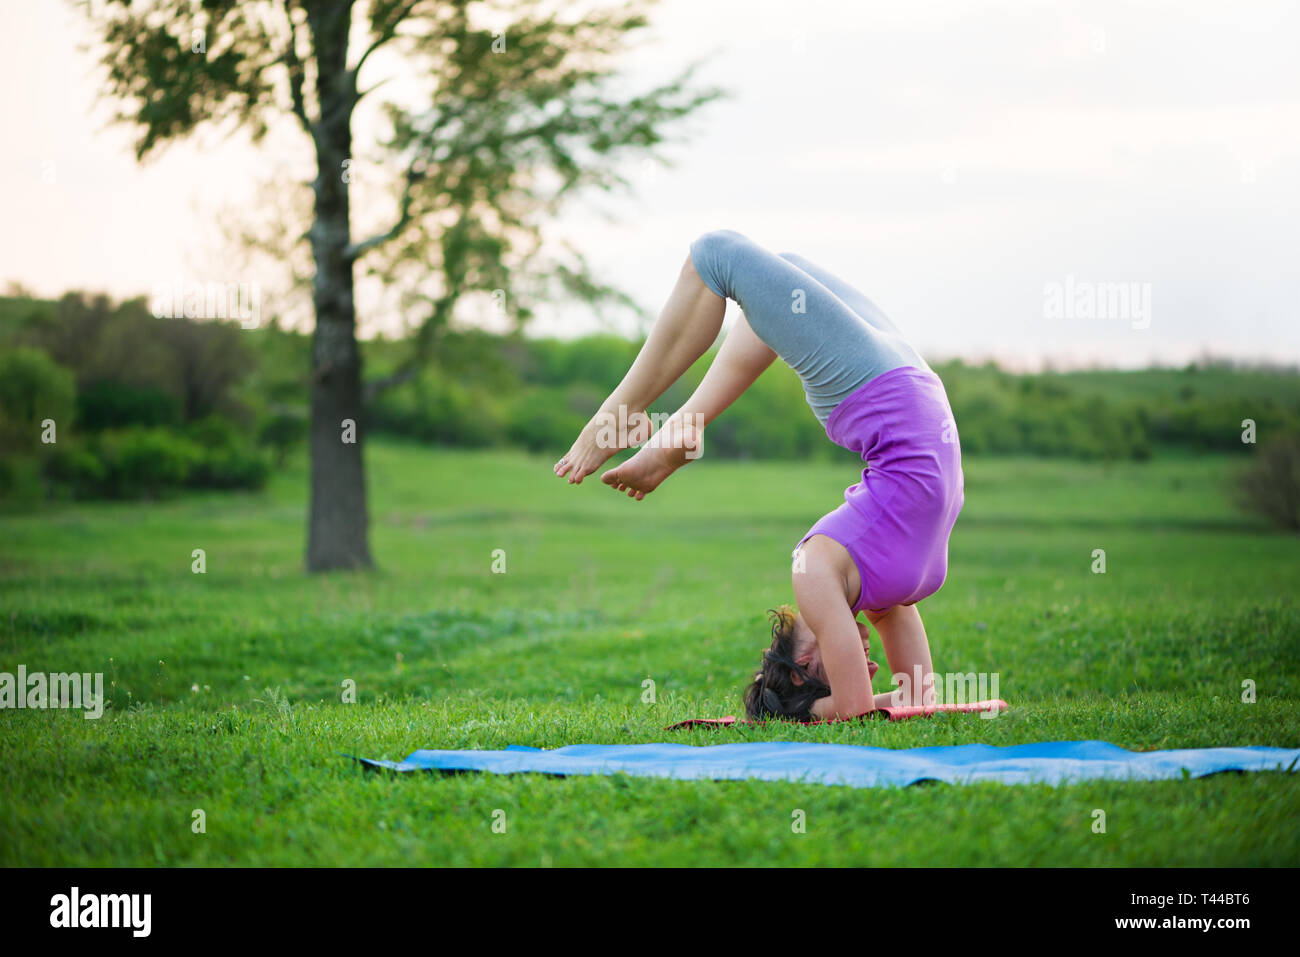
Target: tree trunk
x,y
338,527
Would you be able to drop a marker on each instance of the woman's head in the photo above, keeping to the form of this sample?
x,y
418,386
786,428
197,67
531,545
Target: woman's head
x,y
790,677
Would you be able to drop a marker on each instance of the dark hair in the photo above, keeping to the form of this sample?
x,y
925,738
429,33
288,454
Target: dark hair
x,y
773,692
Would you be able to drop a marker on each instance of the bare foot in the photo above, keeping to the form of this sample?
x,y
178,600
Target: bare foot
x,y
668,450
605,434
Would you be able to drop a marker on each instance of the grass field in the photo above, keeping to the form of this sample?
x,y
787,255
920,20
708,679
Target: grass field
x,y
224,687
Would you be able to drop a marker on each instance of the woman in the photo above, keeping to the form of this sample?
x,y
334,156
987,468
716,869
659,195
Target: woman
x,y
879,553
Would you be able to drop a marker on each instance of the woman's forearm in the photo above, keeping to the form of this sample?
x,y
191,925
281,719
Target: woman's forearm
x,y
824,707
907,649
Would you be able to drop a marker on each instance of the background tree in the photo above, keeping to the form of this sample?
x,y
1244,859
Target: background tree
x,y
515,112
1271,486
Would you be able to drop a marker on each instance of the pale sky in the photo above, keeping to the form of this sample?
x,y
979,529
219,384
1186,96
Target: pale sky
x,y
959,162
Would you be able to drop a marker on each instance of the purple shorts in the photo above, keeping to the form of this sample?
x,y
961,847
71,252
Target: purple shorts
x,y
895,523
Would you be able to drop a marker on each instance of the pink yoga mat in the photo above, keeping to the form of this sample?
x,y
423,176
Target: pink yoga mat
x,y
893,714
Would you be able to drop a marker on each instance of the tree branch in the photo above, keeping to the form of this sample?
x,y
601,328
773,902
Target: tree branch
x,y
374,388
386,32
294,66
356,250
370,89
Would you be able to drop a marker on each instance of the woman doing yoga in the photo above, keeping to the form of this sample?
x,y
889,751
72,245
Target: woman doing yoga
x,y
880,552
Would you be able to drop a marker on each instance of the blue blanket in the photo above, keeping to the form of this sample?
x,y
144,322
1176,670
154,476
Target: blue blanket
x,y
1048,762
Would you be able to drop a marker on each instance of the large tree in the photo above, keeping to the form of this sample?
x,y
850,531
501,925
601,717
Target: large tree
x,y
514,112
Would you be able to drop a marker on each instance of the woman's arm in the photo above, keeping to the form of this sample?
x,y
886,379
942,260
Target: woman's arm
x,y
907,649
819,592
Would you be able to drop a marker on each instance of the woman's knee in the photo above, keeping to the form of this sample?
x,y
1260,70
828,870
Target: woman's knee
x,y
722,236
715,255
720,244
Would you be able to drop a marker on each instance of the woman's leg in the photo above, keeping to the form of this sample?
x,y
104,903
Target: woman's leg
x,y
686,328
830,347
852,297
788,310
738,364
741,360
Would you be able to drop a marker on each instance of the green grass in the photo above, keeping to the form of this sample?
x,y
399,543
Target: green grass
x,y
601,593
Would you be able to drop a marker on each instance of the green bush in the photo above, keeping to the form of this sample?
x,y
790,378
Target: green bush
x,y
21,483
770,421
33,388
282,432
598,361
435,408
231,468
116,405
213,433
139,461
77,469
228,459
548,419
1271,486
